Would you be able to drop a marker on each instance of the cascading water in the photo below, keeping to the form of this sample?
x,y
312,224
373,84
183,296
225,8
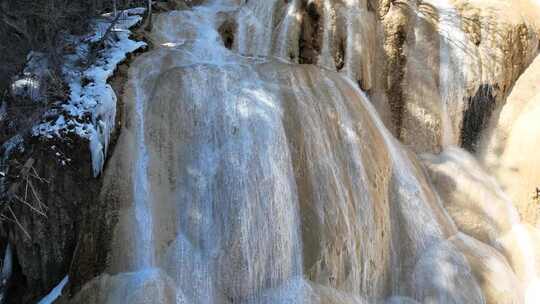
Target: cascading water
x,y
256,180
451,82
268,28
140,189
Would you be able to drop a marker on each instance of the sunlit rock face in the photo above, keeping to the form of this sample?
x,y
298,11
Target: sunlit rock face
x,y
491,269
258,161
520,246
509,147
472,197
481,209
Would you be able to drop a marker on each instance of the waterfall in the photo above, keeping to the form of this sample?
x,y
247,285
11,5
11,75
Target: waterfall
x,y
428,225
449,82
252,179
453,47
256,27
141,189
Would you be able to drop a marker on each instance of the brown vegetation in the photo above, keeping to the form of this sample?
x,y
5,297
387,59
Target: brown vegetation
x,y
40,26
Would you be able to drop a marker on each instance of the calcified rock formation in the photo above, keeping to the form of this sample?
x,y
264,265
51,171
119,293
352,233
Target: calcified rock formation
x,y
246,177
278,190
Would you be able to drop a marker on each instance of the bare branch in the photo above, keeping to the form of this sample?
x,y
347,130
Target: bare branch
x,y
30,206
35,193
18,223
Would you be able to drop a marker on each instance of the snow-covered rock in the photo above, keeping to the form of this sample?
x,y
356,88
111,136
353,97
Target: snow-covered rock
x,y
90,111
30,84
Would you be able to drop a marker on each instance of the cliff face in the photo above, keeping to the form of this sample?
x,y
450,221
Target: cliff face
x,y
439,73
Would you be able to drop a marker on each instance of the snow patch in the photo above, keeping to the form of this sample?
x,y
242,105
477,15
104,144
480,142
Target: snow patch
x,y
30,83
55,293
90,111
27,86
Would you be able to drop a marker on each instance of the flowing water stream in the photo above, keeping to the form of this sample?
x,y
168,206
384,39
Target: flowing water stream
x,y
451,75
251,179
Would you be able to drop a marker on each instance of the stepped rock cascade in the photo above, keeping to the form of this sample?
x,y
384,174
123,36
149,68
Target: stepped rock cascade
x,y
244,175
435,70
453,62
